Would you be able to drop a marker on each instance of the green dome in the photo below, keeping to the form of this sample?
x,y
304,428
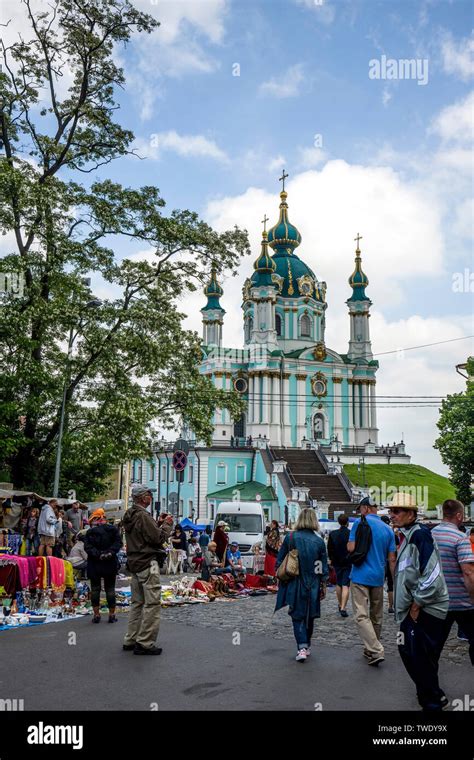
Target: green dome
x,y
358,281
284,235
213,291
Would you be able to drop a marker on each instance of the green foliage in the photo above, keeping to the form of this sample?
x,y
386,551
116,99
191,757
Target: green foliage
x,y
132,367
456,440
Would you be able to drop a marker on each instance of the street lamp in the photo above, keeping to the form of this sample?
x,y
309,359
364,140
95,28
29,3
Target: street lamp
x,y
93,304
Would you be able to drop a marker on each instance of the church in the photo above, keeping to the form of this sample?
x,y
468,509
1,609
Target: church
x,y
309,408
296,387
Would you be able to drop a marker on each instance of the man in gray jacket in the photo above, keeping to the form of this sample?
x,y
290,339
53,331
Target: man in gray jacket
x,y
420,600
47,527
144,543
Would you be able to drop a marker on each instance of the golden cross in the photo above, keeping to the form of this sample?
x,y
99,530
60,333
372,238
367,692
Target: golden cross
x,y
359,237
282,179
264,222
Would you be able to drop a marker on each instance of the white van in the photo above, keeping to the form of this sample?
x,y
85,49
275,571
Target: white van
x,y
247,524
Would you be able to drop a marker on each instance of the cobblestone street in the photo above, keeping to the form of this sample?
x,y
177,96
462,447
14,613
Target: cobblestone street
x,y
255,615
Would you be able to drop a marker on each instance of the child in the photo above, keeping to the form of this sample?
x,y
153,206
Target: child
x,y
31,533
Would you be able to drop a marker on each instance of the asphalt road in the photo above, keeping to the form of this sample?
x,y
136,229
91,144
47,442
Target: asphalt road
x,y
74,665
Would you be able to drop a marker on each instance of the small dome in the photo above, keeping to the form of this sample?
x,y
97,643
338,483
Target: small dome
x,y
213,291
358,280
284,234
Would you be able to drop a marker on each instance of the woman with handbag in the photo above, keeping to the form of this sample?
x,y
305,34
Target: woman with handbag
x,y
302,570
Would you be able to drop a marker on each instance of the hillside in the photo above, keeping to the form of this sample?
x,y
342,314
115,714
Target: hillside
x,y
404,476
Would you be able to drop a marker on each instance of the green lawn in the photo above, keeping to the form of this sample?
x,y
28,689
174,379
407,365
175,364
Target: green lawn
x,y
404,477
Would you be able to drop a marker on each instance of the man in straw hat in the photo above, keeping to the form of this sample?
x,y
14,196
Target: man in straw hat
x,y
420,600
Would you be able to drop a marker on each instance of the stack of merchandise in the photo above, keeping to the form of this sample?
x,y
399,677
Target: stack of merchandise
x,y
39,590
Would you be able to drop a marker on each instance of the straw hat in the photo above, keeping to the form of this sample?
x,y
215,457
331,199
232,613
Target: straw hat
x,y
403,500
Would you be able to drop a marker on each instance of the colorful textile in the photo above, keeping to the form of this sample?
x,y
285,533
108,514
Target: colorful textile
x,y
22,568
69,574
41,572
9,577
57,573
455,551
32,571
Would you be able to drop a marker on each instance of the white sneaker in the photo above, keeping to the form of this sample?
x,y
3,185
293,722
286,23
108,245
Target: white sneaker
x,y
308,652
302,655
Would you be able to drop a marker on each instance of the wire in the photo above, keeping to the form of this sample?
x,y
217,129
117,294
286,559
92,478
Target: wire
x,y
425,345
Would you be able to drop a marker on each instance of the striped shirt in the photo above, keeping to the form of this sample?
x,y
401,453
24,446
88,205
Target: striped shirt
x,y
455,549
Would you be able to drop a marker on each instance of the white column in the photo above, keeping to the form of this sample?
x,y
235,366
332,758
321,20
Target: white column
x,y
250,401
276,400
351,411
256,399
365,406
295,323
373,407
265,399
337,408
301,407
287,323
286,401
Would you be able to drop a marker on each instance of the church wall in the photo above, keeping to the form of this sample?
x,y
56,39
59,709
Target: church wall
x,y
230,461
293,409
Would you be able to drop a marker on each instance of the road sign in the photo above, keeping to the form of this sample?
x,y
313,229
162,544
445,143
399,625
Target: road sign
x,y
173,503
180,460
181,445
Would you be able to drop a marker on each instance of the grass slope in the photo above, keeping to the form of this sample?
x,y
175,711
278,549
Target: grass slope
x,y
403,476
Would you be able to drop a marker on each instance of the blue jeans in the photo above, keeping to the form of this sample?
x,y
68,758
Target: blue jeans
x,y
303,633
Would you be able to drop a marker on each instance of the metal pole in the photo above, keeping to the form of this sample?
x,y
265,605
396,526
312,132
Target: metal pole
x,y
57,470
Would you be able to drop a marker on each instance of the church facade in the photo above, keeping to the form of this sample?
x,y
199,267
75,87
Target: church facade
x,y
297,388
300,394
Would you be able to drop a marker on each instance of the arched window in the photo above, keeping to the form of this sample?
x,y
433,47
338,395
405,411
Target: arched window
x,y
278,324
248,329
305,326
318,426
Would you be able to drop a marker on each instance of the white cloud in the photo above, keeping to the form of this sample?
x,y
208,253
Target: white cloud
x,y
458,56
455,122
183,145
177,47
276,163
309,158
464,223
285,86
324,12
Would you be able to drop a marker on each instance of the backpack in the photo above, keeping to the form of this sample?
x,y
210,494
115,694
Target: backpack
x,y
363,542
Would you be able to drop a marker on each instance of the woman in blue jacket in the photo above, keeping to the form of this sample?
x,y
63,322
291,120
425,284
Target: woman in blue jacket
x,y
303,593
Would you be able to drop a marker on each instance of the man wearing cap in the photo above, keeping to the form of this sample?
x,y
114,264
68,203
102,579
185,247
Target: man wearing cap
x,y
145,541
367,580
421,602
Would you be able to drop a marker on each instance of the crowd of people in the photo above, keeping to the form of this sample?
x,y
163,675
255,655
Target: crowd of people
x,y
431,584
428,569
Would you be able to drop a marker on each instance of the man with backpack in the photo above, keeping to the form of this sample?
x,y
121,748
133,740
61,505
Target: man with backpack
x,y
371,544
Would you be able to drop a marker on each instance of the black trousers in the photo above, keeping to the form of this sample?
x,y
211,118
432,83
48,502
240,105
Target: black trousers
x,y
109,586
420,651
465,621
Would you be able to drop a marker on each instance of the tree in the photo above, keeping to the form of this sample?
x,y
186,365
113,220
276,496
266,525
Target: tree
x,y
132,365
456,442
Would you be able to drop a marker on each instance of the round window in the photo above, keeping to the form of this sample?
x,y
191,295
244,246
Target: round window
x,y
240,384
319,388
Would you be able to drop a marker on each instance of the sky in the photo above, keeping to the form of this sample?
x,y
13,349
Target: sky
x,y
226,93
